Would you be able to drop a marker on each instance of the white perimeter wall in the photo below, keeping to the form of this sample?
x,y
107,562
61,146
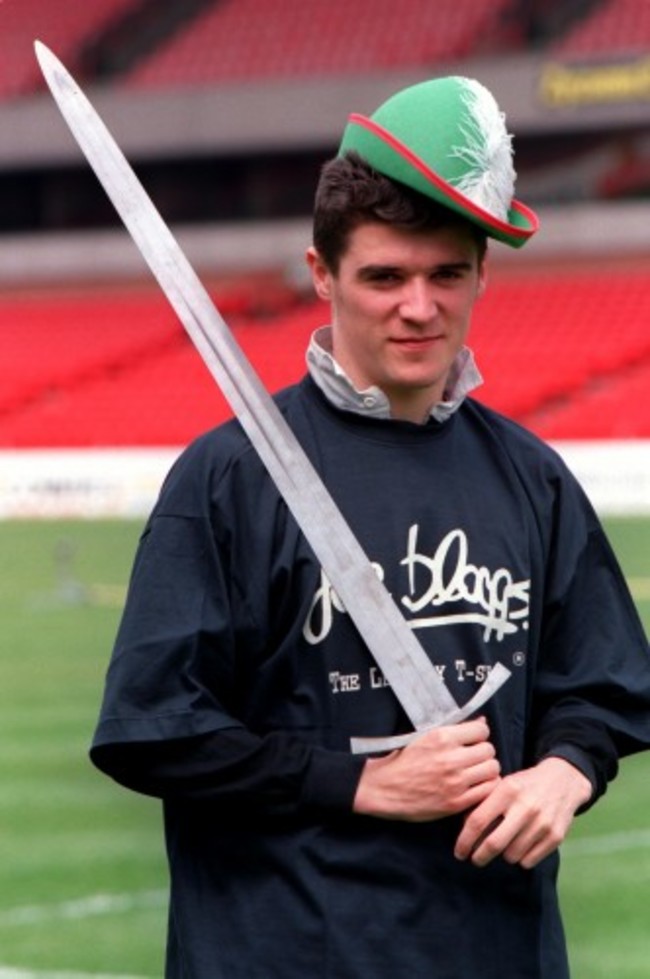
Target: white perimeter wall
x,y
125,482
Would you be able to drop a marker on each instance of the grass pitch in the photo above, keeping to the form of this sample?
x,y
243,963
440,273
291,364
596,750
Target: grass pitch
x,y
84,880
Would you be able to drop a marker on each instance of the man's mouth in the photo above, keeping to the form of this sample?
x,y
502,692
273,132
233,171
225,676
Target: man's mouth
x,y
417,343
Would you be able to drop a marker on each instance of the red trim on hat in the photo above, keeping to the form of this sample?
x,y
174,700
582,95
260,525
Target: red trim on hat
x,y
450,191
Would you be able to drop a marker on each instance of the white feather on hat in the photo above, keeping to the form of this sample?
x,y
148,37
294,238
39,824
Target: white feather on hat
x,y
490,179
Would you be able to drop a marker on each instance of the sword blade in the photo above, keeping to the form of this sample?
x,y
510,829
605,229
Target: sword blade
x,y
421,691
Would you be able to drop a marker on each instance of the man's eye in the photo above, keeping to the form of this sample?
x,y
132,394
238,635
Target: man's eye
x,y
384,278
447,275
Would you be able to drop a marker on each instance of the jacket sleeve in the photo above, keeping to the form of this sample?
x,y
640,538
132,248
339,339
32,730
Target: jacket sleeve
x,y
277,774
592,691
173,721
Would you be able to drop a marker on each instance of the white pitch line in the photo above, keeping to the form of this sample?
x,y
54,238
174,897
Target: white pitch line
x,y
86,907
99,904
640,588
8,972
607,843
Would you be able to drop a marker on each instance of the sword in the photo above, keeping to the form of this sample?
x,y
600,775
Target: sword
x,y
414,680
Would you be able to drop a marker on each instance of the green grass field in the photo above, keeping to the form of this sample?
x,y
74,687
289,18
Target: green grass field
x,y
83,874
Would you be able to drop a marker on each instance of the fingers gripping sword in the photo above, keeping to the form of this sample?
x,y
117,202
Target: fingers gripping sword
x,y
416,683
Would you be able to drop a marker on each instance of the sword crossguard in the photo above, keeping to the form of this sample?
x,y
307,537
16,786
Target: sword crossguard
x,y
372,746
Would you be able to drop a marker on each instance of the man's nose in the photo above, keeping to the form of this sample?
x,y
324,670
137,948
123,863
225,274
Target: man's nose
x,y
418,302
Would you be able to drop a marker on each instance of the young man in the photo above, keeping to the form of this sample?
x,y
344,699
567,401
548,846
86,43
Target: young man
x,y
238,679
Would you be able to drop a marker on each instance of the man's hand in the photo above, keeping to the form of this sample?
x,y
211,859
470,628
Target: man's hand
x,y
526,817
446,771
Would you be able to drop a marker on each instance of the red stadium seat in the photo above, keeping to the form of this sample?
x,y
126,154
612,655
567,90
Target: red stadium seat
x,y
566,354
64,27
119,370
614,27
246,39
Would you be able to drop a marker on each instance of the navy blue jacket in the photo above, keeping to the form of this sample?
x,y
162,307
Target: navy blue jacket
x,y
238,679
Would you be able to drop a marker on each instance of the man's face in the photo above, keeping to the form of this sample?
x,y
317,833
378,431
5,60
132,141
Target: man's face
x,y
401,306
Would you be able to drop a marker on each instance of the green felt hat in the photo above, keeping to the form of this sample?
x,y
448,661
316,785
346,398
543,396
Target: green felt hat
x,y
447,139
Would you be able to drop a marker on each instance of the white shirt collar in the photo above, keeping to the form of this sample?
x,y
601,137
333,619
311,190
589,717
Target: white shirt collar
x,y
338,388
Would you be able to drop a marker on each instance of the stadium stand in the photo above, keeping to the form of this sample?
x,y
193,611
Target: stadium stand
x,y
566,354
185,45
66,27
613,27
619,407
243,39
564,351
106,370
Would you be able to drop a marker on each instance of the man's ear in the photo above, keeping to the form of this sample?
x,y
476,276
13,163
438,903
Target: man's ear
x,y
320,274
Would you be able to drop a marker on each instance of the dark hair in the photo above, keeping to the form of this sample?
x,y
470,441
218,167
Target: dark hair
x,y
351,193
